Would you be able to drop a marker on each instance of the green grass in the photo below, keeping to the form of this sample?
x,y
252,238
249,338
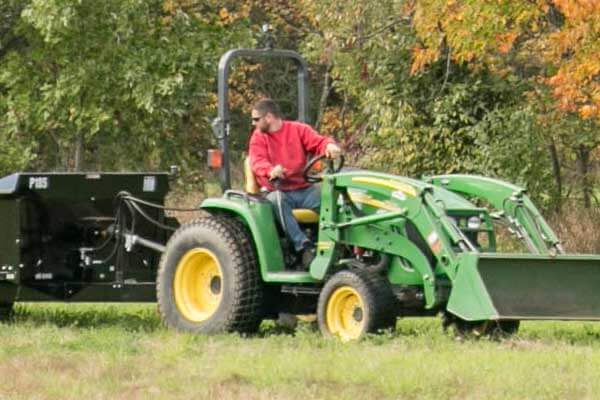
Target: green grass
x,y
74,351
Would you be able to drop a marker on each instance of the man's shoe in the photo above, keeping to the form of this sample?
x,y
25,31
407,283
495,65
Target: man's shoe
x,y
308,254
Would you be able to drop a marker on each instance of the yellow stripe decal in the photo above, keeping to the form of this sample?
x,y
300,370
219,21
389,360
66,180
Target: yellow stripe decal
x,y
324,245
388,184
368,200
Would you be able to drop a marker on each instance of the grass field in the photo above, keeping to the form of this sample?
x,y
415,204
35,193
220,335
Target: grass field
x,y
78,351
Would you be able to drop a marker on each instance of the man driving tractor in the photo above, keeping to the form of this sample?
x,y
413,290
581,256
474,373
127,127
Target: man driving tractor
x,y
278,152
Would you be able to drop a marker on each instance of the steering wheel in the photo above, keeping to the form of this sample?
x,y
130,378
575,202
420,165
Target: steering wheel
x,y
331,167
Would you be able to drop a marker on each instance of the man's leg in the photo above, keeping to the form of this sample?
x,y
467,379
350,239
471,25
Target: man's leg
x,y
289,224
309,198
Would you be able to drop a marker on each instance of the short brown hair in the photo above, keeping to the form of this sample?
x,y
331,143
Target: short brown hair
x,y
265,106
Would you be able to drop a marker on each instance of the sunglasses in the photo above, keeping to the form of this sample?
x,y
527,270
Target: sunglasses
x,y
256,119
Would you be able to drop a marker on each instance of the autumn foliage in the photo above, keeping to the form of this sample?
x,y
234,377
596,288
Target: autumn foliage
x,y
559,38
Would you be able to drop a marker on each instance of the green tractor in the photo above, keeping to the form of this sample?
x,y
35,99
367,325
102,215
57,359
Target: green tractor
x,y
386,247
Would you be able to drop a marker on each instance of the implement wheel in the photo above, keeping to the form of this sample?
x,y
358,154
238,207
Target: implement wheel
x,y
208,279
354,303
6,312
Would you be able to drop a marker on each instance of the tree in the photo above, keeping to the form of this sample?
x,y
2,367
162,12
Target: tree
x,y
446,118
15,148
438,85
118,84
555,40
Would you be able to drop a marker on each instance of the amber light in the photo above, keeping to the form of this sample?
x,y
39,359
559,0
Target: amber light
x,y
215,159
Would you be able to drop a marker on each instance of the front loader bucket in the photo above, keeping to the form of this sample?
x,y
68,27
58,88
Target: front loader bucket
x,y
523,286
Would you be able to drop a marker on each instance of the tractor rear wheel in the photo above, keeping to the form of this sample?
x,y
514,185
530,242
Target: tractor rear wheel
x,y
208,280
354,303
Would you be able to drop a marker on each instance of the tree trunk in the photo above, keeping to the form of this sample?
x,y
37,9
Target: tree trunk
x,y
78,158
324,97
556,172
583,160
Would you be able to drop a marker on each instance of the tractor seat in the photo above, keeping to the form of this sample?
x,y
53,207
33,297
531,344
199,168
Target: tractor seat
x,y
302,215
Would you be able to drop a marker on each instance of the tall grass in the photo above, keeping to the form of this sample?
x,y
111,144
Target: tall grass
x,y
578,228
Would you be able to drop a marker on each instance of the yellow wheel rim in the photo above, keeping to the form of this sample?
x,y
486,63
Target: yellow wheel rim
x,y
345,314
198,285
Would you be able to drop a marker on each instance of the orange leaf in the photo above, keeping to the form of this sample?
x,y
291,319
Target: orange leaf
x,y
588,111
223,14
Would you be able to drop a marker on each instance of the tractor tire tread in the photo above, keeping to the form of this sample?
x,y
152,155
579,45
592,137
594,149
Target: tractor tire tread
x,y
244,313
251,303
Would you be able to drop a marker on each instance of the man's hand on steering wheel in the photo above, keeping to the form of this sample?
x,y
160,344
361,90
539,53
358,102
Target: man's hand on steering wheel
x,y
331,167
333,151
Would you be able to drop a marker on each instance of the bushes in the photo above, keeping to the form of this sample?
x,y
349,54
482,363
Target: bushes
x,y
578,228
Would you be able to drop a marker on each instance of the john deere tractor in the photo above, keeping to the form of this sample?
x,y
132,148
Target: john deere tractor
x,y
386,247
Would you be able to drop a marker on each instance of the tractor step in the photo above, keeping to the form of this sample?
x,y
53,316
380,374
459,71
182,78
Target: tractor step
x,y
289,277
519,286
299,290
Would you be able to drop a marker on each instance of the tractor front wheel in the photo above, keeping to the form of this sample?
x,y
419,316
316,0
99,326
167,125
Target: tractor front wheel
x,y
354,303
208,280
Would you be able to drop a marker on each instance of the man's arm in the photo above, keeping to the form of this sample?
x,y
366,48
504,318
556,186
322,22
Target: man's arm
x,y
259,160
319,144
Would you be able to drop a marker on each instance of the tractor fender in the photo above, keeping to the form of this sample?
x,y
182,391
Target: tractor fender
x,y
258,218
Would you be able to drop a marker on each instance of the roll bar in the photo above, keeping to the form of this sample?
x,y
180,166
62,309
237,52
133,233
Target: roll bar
x,y
221,124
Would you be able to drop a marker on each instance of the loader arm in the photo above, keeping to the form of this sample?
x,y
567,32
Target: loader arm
x,y
512,203
392,202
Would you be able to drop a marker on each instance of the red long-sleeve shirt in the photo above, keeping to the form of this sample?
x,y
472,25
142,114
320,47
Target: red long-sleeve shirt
x,y
289,146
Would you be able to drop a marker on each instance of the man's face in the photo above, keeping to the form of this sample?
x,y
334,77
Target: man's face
x,y
261,121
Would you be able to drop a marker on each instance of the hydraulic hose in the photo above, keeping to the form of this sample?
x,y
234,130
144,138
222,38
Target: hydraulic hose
x,y
381,267
383,264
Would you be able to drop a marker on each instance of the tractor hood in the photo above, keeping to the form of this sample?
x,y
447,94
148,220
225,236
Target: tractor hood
x,y
386,191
